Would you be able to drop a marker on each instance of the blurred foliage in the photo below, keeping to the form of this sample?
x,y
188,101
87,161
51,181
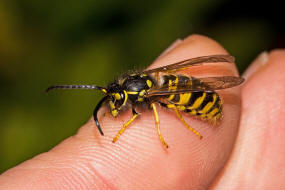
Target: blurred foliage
x,y
92,42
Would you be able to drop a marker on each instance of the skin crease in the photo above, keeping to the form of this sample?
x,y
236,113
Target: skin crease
x,y
139,161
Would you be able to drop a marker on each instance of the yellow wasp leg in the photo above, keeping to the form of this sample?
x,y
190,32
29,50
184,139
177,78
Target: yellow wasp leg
x,y
157,123
186,125
135,115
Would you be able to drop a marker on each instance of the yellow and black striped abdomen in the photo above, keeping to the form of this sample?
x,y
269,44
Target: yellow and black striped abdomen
x,y
204,104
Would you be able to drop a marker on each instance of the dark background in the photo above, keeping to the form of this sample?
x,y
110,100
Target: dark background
x,y
92,42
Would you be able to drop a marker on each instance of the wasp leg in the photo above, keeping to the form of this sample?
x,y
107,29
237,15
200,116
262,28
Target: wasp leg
x,y
172,106
135,115
186,125
157,122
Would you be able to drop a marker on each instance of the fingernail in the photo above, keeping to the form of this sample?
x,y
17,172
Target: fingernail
x,y
258,62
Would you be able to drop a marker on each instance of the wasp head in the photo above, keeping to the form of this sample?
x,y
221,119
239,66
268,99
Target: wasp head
x,y
117,98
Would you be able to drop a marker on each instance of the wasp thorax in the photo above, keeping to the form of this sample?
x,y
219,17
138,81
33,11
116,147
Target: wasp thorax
x,y
136,86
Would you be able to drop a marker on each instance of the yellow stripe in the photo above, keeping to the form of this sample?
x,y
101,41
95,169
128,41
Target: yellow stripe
x,y
213,112
181,108
209,105
170,105
132,92
193,112
170,83
126,98
198,101
190,81
112,106
142,93
122,81
114,113
184,98
171,97
176,80
172,87
117,96
149,83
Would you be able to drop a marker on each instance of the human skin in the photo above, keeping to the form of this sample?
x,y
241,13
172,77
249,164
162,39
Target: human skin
x,y
226,158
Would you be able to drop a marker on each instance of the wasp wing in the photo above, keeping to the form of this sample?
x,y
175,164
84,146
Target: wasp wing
x,y
197,84
192,62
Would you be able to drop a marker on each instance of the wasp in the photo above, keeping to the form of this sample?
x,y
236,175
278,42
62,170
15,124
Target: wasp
x,y
165,87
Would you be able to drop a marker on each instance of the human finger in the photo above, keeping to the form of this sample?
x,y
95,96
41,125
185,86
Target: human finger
x,y
138,160
257,161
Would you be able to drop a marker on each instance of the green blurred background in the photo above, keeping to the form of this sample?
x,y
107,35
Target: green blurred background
x,y
92,42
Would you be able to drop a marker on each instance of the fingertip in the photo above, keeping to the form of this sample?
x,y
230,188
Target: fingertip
x,y
192,46
195,46
278,52
260,141
138,159
258,62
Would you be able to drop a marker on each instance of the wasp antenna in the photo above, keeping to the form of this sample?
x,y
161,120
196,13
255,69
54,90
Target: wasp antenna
x,y
92,87
96,112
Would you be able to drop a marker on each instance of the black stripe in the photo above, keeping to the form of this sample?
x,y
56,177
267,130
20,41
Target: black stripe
x,y
176,98
208,98
167,78
194,96
217,113
183,80
187,110
216,105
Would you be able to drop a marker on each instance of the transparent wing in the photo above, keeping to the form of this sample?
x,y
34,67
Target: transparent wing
x,y
192,62
198,84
